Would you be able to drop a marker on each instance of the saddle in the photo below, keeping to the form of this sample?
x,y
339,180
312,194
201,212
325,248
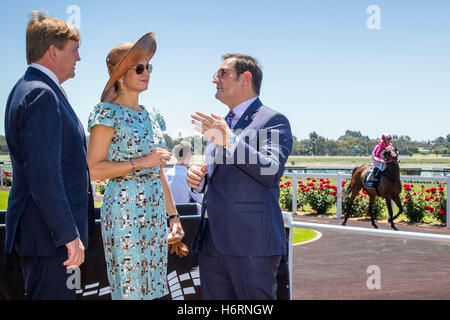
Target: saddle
x,y
370,181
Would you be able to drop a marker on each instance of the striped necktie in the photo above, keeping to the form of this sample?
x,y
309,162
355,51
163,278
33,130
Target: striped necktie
x,y
229,118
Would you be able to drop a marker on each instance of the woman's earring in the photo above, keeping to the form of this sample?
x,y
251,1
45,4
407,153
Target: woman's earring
x,y
121,88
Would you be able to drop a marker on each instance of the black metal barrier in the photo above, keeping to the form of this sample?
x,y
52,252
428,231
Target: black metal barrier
x,y
182,274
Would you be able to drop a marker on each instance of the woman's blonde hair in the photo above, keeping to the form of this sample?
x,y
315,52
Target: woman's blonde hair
x,y
44,31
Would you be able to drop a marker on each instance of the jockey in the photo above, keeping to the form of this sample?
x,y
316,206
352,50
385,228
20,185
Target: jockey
x,y
378,155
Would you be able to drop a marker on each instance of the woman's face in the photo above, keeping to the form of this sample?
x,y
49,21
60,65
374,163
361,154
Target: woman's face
x,y
136,82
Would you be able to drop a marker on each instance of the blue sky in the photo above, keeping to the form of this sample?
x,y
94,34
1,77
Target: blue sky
x,y
323,67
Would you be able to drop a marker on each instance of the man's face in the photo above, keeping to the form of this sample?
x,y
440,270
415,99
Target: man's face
x,y
227,83
67,59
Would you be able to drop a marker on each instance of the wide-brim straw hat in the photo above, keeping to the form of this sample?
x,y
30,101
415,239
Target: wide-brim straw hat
x,y
123,57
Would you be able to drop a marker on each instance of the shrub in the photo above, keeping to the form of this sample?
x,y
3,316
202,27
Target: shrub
x,y
415,206
286,195
100,187
360,206
7,181
438,202
320,195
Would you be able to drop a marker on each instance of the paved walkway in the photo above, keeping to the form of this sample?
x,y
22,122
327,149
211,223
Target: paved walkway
x,y
335,266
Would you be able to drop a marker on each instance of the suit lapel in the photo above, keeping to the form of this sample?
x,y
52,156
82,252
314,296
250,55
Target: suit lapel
x,y
247,116
57,89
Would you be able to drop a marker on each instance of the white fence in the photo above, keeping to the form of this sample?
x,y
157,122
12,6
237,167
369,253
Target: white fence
x,y
341,177
373,232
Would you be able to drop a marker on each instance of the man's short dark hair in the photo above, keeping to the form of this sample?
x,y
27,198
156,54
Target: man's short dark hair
x,y
181,150
245,63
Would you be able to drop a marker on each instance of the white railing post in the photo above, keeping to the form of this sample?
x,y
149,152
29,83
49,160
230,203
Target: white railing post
x,y
339,179
94,187
288,221
1,183
448,202
294,194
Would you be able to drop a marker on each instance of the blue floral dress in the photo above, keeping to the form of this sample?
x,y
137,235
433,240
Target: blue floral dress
x,y
133,215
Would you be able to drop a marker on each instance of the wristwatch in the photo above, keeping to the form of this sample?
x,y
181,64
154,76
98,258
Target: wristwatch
x,y
230,141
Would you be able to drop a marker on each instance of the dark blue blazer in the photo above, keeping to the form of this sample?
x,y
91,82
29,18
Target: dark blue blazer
x,y
242,189
50,202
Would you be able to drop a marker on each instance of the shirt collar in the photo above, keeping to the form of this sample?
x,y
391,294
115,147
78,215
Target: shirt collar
x,y
240,108
180,168
47,71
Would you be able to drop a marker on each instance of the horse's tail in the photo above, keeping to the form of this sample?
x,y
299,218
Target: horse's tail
x,y
349,187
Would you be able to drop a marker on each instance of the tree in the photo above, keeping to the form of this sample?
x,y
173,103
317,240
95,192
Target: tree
x,y
3,145
313,137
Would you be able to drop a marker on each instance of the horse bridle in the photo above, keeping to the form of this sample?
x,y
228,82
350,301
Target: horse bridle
x,y
393,159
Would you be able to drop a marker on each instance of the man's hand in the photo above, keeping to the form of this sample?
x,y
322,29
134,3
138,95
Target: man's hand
x,y
75,250
212,127
195,175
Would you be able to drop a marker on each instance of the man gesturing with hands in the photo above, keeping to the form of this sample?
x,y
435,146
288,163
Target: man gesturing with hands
x,y
241,235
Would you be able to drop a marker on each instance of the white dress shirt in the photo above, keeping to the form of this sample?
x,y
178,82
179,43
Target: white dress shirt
x,y
239,110
47,71
181,193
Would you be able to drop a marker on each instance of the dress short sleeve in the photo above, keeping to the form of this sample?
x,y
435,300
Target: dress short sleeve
x,y
103,114
160,118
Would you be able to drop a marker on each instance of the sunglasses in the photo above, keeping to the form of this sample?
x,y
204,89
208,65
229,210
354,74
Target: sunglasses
x,y
140,68
219,74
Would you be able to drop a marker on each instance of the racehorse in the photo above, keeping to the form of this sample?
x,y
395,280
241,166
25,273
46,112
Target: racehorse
x,y
389,187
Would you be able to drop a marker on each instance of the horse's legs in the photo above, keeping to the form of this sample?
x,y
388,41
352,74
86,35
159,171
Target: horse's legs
x,y
371,202
390,219
349,207
398,202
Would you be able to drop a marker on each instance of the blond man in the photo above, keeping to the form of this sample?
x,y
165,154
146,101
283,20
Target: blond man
x,y
50,204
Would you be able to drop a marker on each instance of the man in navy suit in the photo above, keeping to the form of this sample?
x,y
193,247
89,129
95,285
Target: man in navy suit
x,y
50,204
241,236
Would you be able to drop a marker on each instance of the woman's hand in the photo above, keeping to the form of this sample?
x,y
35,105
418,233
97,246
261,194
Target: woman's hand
x,y
158,157
175,227
176,246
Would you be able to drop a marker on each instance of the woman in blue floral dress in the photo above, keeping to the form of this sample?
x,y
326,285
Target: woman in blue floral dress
x,y
126,145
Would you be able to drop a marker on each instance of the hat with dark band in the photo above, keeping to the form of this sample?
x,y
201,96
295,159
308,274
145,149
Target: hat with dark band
x,y
123,57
